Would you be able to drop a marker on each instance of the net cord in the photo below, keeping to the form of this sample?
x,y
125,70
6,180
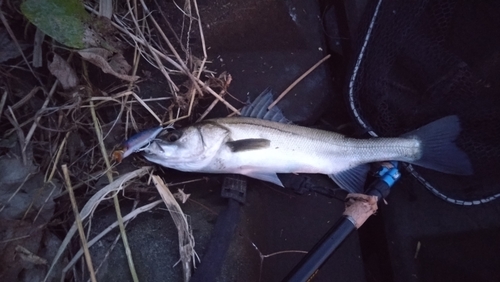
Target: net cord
x,y
372,133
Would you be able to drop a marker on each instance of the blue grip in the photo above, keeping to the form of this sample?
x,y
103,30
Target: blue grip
x,y
390,176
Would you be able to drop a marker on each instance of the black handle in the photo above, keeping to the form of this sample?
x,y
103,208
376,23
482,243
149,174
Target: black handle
x,y
312,262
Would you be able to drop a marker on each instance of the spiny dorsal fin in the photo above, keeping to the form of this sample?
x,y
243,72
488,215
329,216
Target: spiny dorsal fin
x,y
258,108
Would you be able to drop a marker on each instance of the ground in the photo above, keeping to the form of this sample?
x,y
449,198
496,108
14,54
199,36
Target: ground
x,y
415,236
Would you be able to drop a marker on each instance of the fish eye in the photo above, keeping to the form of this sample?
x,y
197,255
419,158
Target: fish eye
x,y
173,135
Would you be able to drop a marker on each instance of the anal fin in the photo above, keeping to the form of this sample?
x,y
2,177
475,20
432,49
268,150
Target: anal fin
x,y
269,177
352,180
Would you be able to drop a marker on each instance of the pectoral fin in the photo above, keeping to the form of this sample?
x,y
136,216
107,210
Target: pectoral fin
x,y
269,177
248,144
352,180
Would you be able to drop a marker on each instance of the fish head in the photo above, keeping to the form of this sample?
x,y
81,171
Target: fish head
x,y
188,149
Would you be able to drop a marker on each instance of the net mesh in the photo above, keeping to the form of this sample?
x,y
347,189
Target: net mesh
x,y
417,61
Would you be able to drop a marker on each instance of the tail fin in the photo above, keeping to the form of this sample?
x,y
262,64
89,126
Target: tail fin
x,y
439,151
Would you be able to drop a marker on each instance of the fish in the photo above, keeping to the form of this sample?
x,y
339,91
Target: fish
x,y
260,149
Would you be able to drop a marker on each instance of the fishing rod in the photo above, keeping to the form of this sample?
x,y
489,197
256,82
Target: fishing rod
x,y
358,208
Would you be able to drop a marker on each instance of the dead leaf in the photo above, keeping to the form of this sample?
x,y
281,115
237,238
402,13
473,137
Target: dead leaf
x,y
37,49
103,26
101,52
28,256
8,49
74,146
23,191
64,72
91,38
12,169
222,82
99,57
14,233
181,196
119,64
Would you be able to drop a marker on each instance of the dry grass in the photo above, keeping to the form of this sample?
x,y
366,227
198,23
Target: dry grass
x,y
71,133
185,234
299,79
66,119
79,224
262,257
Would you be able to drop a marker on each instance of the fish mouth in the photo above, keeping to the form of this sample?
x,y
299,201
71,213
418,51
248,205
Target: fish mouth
x,y
153,149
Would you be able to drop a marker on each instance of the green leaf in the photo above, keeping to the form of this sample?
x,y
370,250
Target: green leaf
x,y
63,20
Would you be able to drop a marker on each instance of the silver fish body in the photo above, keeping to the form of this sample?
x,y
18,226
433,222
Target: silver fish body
x,y
260,149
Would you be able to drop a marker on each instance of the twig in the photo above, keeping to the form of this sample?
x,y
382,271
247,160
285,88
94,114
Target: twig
x,y
202,36
191,103
183,67
47,180
125,100
38,116
174,63
56,160
15,239
106,8
91,205
297,81
170,26
262,256
2,102
113,245
111,99
211,91
170,46
37,59
108,229
203,206
48,198
187,9
187,182
174,87
115,198
26,98
186,239
20,134
146,107
13,37
79,224
284,252
172,49
208,110
18,189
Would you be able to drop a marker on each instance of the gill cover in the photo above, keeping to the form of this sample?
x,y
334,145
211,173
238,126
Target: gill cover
x,y
187,149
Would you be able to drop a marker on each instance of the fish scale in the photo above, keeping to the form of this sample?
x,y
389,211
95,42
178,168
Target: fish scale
x,y
315,140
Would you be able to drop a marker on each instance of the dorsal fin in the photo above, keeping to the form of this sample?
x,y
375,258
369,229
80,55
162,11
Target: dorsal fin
x,y
258,108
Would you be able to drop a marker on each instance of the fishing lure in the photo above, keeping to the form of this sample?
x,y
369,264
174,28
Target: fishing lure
x,y
136,143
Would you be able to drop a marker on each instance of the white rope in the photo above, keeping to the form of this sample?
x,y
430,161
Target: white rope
x,y
363,124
